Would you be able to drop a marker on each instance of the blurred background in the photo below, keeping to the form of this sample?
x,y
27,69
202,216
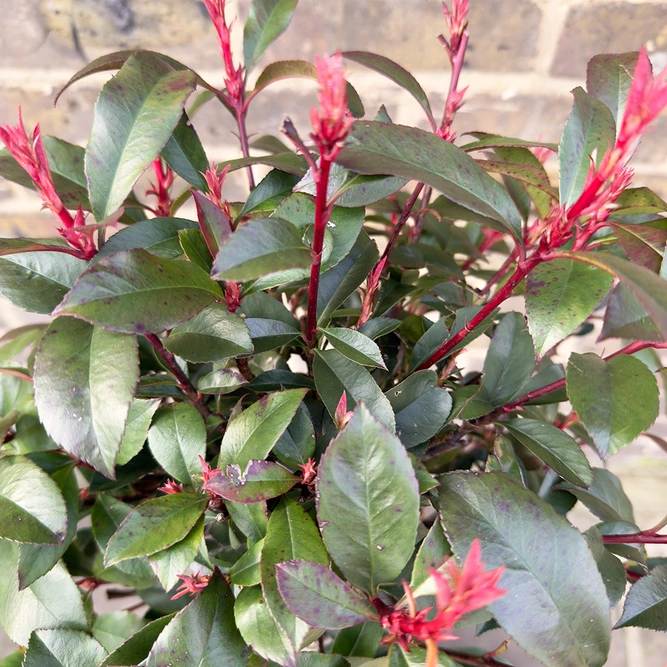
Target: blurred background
x,y
524,58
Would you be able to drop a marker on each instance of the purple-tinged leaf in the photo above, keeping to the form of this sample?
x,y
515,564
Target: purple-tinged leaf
x,y
321,598
260,481
214,224
608,79
643,244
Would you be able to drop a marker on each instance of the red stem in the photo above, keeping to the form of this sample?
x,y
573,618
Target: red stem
x,y
643,537
500,273
183,380
243,136
405,214
501,295
321,215
457,66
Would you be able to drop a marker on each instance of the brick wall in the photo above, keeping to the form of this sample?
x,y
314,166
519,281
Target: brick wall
x,y
524,58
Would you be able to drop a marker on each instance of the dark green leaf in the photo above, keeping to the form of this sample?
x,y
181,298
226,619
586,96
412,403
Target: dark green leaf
x,y
184,153
84,384
135,115
486,140
252,434
643,244
178,557
136,429
213,335
553,446
203,633
114,628
395,73
646,604
158,236
338,283
297,443
626,318
53,601
509,361
270,324
259,481
433,552
214,224
560,295
359,640
416,657
590,129
291,535
382,148
32,508
260,630
155,525
335,374
379,326
267,20
561,617
194,246
608,79
245,572
270,192
319,597
605,497
251,520
260,248
612,570
135,292
177,438
38,281
63,648
368,502
421,407
288,161
615,400
36,560
277,379
355,346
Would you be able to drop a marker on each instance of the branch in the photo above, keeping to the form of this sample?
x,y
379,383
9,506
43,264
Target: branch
x,y
643,537
243,136
183,380
405,214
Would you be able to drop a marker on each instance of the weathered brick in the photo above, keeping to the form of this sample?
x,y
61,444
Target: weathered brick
x,y
614,27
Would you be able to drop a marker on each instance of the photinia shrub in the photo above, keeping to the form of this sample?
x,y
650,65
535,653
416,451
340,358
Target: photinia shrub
x,y
258,422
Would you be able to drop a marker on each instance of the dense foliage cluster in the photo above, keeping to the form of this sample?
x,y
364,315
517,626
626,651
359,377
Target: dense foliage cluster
x,y
258,421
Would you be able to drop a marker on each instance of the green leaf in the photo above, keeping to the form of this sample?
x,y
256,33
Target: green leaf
x,y
12,660
32,508
203,634
53,601
604,497
395,73
560,295
251,520
381,148
608,79
184,153
158,236
291,535
626,318
643,244
259,481
36,560
270,192
252,434
646,287
135,115
260,630
261,247
267,20
486,140
355,346
416,657
38,281
368,502
177,558
154,525
84,384
245,572
287,161
63,648
590,128
553,446
270,324
338,283
335,374
223,381
136,429
379,326
637,201
611,569
177,438
214,224
509,361
646,603
321,598
615,400
114,628
135,292
194,246
213,335
359,640
433,552
421,407
297,443
561,617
